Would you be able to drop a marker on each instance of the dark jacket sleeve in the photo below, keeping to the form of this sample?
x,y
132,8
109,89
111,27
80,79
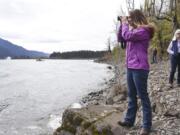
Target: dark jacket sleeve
x,y
120,38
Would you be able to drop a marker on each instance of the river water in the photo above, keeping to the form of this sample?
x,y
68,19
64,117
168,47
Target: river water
x,y
33,94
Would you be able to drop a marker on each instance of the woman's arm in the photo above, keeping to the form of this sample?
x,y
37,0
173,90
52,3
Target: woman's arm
x,y
137,34
169,49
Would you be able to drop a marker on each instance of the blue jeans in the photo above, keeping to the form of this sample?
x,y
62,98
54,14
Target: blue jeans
x,y
137,86
175,63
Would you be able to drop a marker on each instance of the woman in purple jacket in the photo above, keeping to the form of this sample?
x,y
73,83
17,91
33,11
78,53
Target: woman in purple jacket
x,y
137,33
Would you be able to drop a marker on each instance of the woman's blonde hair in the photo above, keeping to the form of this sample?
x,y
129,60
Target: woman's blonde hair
x,y
175,34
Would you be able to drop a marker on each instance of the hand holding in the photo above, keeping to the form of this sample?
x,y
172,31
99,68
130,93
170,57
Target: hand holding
x,y
124,19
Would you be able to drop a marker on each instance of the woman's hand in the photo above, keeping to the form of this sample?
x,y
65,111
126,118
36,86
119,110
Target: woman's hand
x,y
124,19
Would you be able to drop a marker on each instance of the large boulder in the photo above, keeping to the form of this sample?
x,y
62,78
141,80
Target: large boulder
x,y
92,120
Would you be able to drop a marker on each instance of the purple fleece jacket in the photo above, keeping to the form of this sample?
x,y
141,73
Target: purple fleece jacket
x,y
137,46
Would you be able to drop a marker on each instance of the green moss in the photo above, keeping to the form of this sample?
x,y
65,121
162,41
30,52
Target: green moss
x,y
77,120
86,124
94,131
67,127
106,131
58,129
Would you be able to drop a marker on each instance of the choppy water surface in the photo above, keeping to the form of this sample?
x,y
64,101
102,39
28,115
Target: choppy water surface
x,y
34,94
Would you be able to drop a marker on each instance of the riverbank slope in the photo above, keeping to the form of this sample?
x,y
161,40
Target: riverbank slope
x,y
104,108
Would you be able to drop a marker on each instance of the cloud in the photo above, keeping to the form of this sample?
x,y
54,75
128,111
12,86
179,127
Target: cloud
x,y
58,24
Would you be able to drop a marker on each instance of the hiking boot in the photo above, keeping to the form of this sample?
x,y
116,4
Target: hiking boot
x,y
125,124
144,131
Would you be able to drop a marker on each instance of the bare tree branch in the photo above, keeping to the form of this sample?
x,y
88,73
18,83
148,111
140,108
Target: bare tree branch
x,y
160,9
163,18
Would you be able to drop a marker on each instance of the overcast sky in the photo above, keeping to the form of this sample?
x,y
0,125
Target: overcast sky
x,y
59,25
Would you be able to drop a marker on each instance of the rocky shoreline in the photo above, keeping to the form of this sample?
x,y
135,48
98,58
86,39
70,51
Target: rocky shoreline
x,y
102,109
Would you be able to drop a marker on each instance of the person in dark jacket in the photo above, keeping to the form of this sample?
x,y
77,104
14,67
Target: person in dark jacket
x,y
120,38
174,51
137,33
154,56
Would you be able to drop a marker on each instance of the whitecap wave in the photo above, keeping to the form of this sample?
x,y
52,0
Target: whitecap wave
x,y
55,121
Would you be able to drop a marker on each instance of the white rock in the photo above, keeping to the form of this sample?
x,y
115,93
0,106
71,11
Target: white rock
x,y
76,106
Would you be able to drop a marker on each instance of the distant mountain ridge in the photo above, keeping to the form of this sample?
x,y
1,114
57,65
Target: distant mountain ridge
x,y
9,49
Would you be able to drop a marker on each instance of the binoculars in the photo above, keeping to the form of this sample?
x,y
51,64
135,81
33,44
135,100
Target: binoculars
x,y
119,18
